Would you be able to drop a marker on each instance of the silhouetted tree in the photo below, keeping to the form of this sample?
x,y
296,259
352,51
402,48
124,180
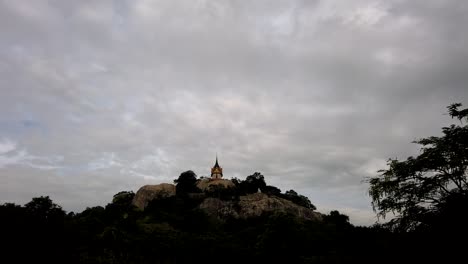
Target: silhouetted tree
x,y
121,207
338,219
186,183
271,190
299,199
45,225
420,189
44,209
253,183
123,197
236,181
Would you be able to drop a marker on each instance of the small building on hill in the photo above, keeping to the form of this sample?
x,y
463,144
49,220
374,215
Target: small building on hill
x,y
216,171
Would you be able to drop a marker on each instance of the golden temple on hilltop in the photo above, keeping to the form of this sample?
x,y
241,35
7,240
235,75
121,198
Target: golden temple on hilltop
x,y
216,171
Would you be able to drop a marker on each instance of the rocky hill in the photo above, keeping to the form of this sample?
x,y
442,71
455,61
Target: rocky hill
x,y
244,206
253,205
149,192
206,184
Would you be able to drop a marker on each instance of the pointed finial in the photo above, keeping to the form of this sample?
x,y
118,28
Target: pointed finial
x,y
216,164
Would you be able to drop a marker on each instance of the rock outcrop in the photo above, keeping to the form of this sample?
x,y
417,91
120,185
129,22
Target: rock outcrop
x,y
246,206
205,184
256,204
149,192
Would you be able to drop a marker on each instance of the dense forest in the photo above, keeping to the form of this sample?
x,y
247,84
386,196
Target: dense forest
x,y
427,194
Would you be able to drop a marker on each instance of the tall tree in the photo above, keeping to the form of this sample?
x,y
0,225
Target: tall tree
x,y
420,189
44,208
186,183
254,182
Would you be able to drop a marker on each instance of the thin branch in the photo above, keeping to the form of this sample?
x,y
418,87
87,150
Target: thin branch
x,y
443,188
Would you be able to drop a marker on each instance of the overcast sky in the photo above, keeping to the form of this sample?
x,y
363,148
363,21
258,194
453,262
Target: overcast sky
x,y
98,97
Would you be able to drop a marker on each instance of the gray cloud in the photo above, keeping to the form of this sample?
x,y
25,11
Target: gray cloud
x,y
103,96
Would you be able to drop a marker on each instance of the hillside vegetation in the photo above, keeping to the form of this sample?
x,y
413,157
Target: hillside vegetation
x,y
176,229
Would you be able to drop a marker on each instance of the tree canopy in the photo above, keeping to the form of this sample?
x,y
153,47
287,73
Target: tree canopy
x,y
422,190
170,231
186,183
254,182
299,199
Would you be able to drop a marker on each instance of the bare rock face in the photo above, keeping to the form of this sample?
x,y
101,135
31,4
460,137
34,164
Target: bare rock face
x,y
256,204
252,205
149,192
205,184
219,208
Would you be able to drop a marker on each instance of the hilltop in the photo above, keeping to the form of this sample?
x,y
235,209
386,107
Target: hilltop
x,y
225,199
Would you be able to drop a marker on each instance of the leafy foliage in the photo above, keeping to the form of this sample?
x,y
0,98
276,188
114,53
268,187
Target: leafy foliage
x,y
338,219
186,183
123,197
253,183
173,230
256,182
42,208
170,230
298,199
421,190
271,190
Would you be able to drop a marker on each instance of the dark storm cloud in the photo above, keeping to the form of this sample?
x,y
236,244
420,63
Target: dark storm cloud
x,y
103,96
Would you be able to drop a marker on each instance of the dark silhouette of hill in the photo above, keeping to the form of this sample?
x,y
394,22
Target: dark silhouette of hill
x,y
174,230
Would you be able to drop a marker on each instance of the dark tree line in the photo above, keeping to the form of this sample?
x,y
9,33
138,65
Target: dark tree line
x,y
173,230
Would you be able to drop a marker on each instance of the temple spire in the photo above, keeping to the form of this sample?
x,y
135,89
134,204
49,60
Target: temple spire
x,y
216,164
216,171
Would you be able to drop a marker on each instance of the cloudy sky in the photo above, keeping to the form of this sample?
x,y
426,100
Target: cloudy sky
x,y
97,97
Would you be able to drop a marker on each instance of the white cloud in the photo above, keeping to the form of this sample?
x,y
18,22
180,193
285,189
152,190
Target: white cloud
x,y
6,146
11,156
106,161
371,167
367,15
152,166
